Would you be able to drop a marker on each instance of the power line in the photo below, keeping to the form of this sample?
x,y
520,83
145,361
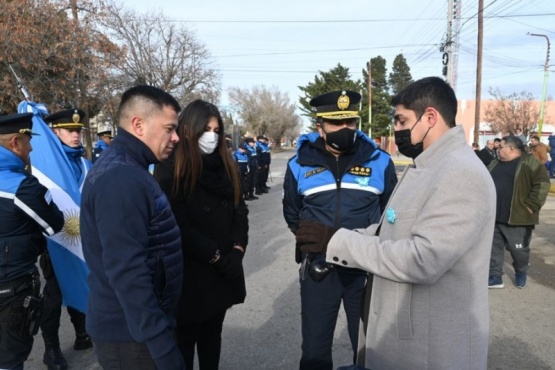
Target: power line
x,y
341,20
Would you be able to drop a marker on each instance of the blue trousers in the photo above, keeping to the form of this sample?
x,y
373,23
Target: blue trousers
x,y
320,304
123,356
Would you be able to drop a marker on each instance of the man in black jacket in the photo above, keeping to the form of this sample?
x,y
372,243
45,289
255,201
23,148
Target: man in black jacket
x,y
131,241
26,213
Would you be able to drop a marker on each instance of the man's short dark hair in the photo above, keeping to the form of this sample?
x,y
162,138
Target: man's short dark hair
x,y
497,140
514,142
429,92
154,95
535,137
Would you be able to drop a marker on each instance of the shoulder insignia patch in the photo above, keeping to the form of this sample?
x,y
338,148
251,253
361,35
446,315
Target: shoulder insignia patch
x,y
361,171
314,172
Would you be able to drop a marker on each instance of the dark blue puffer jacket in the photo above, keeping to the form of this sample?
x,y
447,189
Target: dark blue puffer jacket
x,y
132,246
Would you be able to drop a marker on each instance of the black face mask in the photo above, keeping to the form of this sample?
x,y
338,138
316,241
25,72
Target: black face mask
x,y
341,140
405,145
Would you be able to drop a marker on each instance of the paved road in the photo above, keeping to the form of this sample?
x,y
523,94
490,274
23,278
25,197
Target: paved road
x,y
264,332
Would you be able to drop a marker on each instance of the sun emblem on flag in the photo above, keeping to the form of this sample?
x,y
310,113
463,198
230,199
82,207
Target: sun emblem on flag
x,y
70,233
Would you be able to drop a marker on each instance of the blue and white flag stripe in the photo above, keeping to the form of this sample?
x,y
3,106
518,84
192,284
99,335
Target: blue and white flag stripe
x,y
52,168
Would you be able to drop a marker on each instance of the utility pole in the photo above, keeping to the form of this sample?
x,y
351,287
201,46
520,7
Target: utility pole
x,y
447,46
545,75
479,71
369,66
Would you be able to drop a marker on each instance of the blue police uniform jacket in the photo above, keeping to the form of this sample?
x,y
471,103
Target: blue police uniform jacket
x,y
264,153
79,164
242,160
132,245
26,213
355,200
98,148
252,154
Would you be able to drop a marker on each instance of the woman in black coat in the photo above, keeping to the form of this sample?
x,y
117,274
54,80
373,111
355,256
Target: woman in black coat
x,y
202,182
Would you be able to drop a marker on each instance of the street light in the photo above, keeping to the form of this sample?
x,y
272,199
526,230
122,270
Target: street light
x,y
544,91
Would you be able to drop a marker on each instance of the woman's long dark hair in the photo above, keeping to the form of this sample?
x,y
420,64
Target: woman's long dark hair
x,y
188,158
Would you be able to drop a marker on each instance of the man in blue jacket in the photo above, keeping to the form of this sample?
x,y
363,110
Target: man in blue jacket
x,y
131,241
27,213
338,178
104,140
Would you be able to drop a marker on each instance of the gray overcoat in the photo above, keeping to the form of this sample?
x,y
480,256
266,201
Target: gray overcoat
x,y
429,305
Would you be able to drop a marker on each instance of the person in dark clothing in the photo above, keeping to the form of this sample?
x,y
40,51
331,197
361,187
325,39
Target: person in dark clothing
x,y
242,160
67,125
203,184
252,178
26,213
522,185
104,140
338,178
264,160
131,241
551,141
488,154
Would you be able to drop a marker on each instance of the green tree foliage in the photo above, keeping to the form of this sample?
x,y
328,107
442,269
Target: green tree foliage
x,y
382,114
400,75
337,78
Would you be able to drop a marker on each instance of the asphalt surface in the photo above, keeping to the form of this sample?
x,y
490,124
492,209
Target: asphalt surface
x,y
264,332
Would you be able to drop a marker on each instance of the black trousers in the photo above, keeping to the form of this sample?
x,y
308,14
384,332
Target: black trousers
x,y
207,337
52,308
15,342
251,179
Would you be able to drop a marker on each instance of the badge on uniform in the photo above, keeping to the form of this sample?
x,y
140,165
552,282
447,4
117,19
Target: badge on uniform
x,y
390,215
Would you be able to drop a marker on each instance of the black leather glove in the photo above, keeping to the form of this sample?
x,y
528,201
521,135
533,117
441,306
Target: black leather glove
x,y
319,268
231,264
313,236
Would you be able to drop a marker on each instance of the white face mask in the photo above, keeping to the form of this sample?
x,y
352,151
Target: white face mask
x,y
208,142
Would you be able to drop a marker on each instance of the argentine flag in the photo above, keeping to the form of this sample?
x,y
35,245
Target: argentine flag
x,y
51,166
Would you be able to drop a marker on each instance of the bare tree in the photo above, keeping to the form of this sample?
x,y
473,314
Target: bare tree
x,y
509,112
163,54
266,111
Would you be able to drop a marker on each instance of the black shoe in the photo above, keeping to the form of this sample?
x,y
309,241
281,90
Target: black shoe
x,y
54,359
267,187
258,193
82,341
253,197
264,191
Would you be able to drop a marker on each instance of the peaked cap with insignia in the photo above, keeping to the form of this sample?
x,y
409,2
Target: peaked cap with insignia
x,y
69,118
337,105
18,123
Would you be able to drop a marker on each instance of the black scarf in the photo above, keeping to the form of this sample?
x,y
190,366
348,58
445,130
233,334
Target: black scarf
x,y
214,178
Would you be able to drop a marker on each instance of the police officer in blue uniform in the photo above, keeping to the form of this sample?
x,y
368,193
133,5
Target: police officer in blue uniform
x,y
242,160
252,176
338,178
26,213
67,125
104,139
263,164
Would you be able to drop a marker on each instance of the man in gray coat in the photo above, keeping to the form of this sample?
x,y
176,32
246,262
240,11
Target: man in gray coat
x,y
429,255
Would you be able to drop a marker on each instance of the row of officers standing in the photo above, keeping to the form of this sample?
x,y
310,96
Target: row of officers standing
x,y
254,158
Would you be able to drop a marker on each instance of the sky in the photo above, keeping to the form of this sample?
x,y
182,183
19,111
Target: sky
x,y
285,43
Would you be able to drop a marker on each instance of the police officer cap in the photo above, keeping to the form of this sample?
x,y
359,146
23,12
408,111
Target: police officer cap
x,y
69,118
337,105
105,133
18,123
